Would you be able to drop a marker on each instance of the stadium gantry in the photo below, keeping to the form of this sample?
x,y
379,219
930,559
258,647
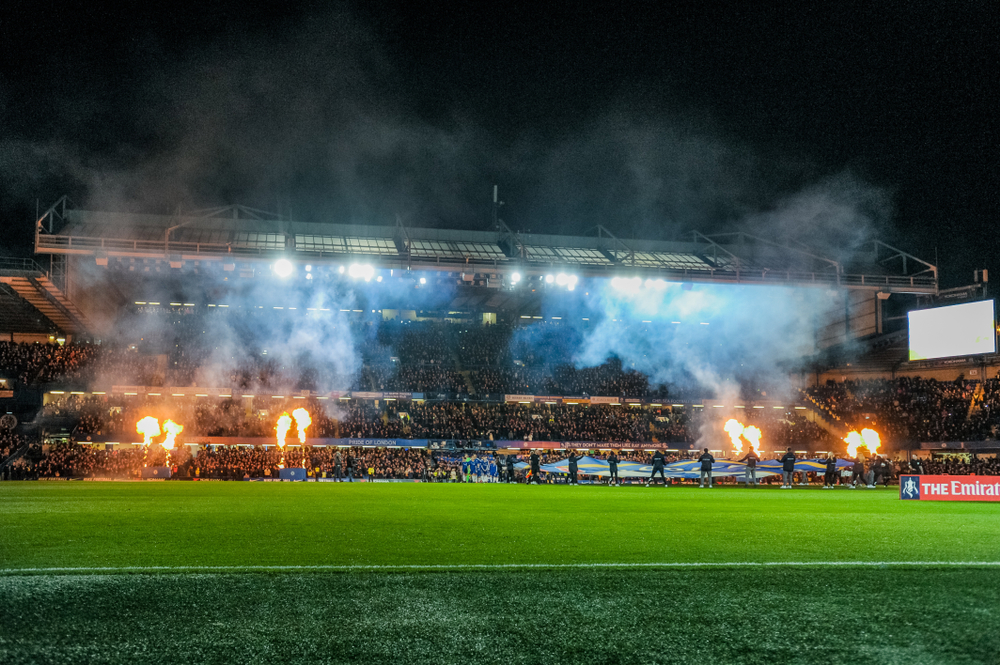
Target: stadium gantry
x,y
494,270
247,237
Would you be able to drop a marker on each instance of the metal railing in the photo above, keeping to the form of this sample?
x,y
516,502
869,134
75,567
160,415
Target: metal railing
x,y
924,283
14,264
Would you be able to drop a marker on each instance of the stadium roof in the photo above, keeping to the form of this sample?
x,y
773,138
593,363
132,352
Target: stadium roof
x,y
238,233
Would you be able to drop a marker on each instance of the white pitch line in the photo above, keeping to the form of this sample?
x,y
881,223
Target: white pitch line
x,y
499,566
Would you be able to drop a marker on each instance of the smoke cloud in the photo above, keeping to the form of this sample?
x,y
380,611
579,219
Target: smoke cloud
x,y
720,341
317,121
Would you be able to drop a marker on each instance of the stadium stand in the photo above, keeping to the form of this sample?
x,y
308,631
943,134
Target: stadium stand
x,y
110,416
915,409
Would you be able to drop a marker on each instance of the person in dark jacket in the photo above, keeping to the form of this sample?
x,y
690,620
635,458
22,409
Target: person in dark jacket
x,y
707,461
510,469
658,459
613,469
830,477
573,468
750,474
882,471
787,469
350,468
533,459
858,471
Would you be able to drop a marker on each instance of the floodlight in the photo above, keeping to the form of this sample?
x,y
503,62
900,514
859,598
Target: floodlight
x,y
423,280
283,268
515,277
361,271
549,279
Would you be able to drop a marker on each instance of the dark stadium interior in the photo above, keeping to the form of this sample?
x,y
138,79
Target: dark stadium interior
x,y
520,333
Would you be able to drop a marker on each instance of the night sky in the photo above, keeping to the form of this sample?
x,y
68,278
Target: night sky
x,y
830,126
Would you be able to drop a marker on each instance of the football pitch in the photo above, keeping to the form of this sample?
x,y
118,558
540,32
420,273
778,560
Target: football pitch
x,y
323,572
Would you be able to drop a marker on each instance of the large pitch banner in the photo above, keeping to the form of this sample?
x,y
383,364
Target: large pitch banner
x,y
949,488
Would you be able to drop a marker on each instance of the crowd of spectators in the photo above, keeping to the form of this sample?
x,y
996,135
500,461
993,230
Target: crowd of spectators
x,y
912,409
10,441
72,460
35,363
97,416
182,349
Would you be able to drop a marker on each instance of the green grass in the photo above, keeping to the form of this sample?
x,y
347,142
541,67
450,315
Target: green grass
x,y
731,614
240,524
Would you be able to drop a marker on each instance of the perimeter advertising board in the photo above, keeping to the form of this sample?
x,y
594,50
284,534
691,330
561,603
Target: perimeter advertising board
x,y
949,488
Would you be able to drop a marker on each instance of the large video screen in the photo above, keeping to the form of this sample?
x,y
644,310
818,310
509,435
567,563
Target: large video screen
x,y
957,330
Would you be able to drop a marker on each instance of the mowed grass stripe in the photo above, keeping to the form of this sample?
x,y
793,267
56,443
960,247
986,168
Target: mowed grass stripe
x,y
493,567
708,616
246,525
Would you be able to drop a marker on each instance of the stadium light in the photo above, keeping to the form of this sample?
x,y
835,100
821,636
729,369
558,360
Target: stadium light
x,y
283,268
423,280
515,277
361,271
549,279
626,284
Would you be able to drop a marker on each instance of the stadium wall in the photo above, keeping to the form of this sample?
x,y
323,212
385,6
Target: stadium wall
x,y
970,370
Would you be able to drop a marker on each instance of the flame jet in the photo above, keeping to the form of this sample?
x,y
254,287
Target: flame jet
x,y
752,434
172,429
148,427
284,424
734,428
302,421
867,438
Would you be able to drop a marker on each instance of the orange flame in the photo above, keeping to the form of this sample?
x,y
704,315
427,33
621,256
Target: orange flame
x,y
868,438
302,421
148,427
752,434
172,429
854,442
734,428
872,440
284,424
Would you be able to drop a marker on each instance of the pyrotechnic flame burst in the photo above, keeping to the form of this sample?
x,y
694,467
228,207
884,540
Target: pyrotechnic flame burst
x,y
868,438
148,427
302,421
734,428
871,439
752,434
284,424
172,429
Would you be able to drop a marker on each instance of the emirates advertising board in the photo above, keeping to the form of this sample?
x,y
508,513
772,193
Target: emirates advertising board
x,y
949,488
